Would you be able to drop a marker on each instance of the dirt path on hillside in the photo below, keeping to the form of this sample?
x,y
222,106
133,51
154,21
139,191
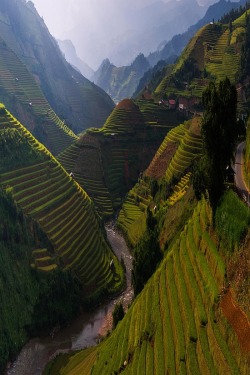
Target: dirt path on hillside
x,y
237,319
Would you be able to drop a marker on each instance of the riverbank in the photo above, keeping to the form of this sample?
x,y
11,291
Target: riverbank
x,y
85,330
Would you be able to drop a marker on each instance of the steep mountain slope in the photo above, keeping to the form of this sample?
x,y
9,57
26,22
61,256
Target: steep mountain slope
x,y
45,192
175,324
21,93
68,49
107,162
176,45
213,53
192,317
121,82
26,293
72,97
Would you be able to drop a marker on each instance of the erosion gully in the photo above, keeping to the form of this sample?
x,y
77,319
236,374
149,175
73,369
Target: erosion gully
x,y
84,331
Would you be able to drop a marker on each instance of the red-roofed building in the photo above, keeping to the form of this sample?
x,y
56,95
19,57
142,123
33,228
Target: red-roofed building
x,y
172,104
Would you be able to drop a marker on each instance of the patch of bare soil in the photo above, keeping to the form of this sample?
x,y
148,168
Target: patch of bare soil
x,y
237,319
238,274
158,167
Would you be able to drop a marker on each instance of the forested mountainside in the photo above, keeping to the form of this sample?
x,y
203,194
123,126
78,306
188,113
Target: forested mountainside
x,y
73,98
191,315
52,242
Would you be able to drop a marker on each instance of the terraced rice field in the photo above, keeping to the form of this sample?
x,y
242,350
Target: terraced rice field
x,y
173,327
189,148
204,40
83,159
19,86
106,162
179,189
158,166
64,212
214,50
223,61
133,214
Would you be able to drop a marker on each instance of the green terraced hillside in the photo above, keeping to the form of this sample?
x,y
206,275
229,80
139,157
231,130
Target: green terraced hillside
x,y
172,160
107,162
175,326
22,95
84,160
65,213
214,53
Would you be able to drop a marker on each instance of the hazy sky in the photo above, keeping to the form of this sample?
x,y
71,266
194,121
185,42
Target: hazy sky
x,y
102,17
61,15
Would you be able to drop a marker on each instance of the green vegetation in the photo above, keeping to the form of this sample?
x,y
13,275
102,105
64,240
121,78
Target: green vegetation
x,y
106,162
45,300
174,324
23,96
232,220
117,314
219,134
147,255
63,210
218,50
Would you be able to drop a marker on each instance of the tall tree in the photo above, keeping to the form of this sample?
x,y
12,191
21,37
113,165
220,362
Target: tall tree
x,y
219,132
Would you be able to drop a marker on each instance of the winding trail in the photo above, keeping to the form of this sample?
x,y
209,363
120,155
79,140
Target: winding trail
x,y
83,331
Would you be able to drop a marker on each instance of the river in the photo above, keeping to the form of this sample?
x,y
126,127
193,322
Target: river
x,y
85,330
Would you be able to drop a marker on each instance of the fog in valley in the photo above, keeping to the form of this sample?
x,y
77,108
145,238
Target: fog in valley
x,y
118,29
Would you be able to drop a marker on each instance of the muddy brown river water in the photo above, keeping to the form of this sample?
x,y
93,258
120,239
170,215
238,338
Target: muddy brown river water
x,y
84,331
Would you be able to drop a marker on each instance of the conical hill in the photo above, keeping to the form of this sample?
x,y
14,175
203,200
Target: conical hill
x,y
107,162
65,213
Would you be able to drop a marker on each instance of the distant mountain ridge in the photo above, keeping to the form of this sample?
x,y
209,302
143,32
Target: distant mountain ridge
x,y
138,27
179,41
68,49
121,82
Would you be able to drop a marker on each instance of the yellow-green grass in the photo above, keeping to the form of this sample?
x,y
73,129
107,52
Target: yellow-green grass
x,y
133,214
43,261
179,190
215,49
195,50
173,325
223,60
189,148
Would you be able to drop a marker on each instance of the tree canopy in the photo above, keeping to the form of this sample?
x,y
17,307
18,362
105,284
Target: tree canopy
x,y
219,133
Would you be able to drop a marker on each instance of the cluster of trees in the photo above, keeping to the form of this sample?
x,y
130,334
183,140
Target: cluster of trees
x,y
147,255
220,131
234,14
